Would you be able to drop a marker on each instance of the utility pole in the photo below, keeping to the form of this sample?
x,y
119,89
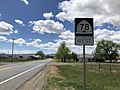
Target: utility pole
x,y
13,47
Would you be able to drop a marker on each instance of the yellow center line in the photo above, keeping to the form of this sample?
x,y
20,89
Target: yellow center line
x,y
9,67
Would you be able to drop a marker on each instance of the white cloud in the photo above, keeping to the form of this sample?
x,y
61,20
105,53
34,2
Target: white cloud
x,y
48,26
51,47
25,1
63,16
8,51
19,41
30,23
30,39
107,34
19,22
35,43
48,15
2,38
102,34
16,31
6,28
101,10
66,35
48,45
24,51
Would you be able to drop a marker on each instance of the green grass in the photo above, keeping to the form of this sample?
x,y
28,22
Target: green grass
x,y
71,78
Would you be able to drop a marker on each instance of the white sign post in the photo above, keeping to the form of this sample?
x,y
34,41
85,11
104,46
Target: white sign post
x,y
84,36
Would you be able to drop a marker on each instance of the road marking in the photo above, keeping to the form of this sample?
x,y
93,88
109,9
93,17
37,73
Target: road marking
x,y
20,74
9,67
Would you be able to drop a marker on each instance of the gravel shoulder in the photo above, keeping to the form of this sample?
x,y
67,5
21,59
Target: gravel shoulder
x,y
36,82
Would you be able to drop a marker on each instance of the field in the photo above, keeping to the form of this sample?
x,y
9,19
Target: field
x,y
70,77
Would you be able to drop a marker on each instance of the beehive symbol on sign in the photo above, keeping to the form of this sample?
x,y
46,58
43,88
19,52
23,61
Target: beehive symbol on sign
x,y
84,28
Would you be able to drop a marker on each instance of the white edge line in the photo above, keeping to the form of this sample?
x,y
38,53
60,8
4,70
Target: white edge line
x,y
19,74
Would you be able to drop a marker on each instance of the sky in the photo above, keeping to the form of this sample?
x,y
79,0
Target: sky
x,y
41,25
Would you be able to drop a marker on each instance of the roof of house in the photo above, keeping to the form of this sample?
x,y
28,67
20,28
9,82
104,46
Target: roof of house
x,y
24,55
51,54
86,55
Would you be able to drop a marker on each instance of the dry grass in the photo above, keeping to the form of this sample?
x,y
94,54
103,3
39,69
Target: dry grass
x,y
52,76
53,71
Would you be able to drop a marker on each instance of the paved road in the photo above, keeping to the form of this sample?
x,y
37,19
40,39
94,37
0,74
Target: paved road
x,y
12,76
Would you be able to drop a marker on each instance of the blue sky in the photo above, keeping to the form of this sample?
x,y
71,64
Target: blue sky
x,y
44,24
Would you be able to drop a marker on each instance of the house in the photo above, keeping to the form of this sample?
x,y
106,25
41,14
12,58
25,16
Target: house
x,y
88,57
4,56
118,58
34,57
51,55
27,56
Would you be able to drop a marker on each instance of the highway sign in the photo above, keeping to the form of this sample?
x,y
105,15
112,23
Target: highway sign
x,y
84,36
83,26
84,40
84,31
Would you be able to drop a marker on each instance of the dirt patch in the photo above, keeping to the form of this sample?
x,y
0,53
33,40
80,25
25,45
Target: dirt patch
x,y
53,71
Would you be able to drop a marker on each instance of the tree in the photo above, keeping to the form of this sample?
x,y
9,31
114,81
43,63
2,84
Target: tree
x,y
40,53
63,52
47,56
20,57
106,50
74,56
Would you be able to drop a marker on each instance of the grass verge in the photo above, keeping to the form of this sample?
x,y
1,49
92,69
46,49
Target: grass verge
x,y
70,77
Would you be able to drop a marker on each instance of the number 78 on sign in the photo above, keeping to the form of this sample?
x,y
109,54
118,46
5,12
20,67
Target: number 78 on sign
x,y
83,26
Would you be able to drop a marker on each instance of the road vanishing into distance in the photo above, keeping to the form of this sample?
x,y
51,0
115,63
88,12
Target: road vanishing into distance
x,y
12,76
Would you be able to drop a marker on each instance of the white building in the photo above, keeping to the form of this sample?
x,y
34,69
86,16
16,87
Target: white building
x,y
88,57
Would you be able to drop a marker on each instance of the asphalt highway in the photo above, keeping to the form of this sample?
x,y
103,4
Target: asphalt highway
x,y
12,76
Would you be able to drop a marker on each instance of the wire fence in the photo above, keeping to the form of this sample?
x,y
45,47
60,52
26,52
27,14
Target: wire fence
x,y
104,67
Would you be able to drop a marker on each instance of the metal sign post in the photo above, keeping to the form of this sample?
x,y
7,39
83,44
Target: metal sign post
x,y
84,36
84,67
